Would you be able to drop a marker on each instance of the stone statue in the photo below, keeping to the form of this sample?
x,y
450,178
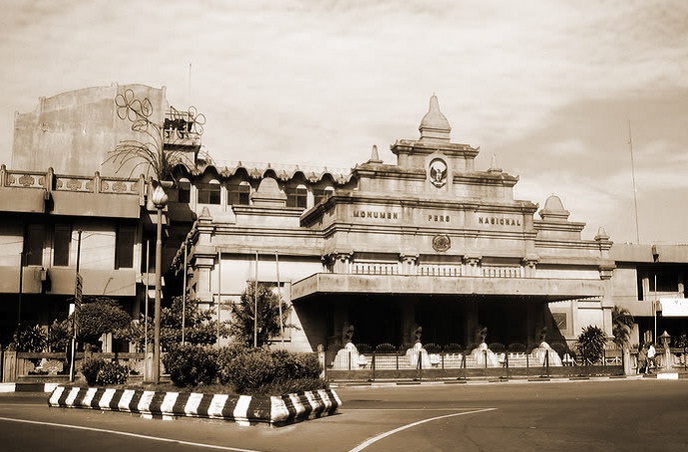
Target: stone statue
x,y
418,333
542,334
348,334
481,335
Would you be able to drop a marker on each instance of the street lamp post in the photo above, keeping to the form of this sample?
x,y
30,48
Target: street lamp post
x,y
159,200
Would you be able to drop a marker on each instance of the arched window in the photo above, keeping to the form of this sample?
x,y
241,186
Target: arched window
x,y
297,196
321,194
209,193
239,194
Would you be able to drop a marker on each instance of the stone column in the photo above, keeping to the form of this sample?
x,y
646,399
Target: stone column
x,y
409,263
472,265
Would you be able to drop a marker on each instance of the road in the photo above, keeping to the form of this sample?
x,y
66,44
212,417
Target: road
x,y
613,415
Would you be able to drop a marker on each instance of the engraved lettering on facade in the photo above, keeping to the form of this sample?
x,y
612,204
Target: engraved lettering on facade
x,y
500,221
376,214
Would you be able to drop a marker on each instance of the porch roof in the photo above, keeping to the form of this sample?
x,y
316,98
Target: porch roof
x,y
548,290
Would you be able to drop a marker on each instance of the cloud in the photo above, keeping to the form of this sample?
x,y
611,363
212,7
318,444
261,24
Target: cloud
x,y
547,86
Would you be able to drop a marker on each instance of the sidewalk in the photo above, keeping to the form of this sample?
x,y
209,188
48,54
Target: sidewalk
x,y
484,381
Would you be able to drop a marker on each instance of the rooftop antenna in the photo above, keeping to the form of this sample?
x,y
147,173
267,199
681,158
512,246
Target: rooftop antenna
x,y
635,189
189,89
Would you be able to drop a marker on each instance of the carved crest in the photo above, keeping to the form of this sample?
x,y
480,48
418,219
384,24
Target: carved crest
x,y
438,173
441,243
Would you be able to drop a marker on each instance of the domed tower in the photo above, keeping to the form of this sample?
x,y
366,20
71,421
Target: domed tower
x,y
434,126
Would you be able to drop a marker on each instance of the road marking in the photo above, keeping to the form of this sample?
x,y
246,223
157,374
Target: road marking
x,y
134,435
377,438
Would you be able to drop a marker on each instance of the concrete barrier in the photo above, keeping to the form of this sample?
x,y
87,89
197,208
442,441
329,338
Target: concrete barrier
x,y
243,409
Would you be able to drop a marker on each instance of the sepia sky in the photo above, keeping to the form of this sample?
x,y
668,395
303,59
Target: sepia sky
x,y
549,88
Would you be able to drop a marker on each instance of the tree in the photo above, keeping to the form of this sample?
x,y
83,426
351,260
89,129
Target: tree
x,y
268,318
622,322
591,343
199,326
98,316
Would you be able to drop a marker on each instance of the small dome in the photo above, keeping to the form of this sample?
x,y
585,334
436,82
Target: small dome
x,y
554,204
434,125
554,210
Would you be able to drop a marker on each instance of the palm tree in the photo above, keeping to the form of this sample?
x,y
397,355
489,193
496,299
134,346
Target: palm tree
x,y
622,322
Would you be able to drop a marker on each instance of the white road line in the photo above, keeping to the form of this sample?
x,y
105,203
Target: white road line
x,y
134,435
377,438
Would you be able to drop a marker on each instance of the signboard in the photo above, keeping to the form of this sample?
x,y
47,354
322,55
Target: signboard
x,y
78,293
674,307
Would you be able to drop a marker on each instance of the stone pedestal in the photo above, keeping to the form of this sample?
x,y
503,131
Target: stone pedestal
x,y
416,353
348,358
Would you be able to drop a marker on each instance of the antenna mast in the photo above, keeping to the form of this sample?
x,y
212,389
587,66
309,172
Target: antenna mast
x,y
635,189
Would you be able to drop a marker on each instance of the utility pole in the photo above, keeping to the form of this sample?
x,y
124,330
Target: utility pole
x,y
78,293
635,190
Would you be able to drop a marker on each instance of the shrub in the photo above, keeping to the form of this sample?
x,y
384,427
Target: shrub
x,y
517,347
432,348
251,370
471,347
99,372
112,373
191,365
225,359
453,348
264,372
497,347
90,368
385,348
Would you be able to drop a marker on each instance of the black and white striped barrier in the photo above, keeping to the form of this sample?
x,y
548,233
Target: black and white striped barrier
x,y
243,409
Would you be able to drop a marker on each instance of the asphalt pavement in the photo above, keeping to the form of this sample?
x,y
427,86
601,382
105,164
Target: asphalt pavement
x,y
583,415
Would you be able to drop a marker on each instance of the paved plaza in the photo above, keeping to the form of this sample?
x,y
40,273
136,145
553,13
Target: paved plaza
x,y
605,415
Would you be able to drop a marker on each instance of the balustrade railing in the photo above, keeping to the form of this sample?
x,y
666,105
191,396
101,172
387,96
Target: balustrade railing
x,y
439,270
373,268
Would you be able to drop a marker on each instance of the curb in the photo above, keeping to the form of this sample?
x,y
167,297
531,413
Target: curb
x,y
28,387
243,409
475,382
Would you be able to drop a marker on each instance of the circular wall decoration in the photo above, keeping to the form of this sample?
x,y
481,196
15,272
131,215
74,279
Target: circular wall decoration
x,y
438,172
441,243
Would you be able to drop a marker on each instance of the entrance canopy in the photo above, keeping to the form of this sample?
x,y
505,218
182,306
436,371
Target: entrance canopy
x,y
674,307
548,290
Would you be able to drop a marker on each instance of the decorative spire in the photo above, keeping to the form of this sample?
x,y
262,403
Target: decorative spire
x,y
434,125
374,156
494,168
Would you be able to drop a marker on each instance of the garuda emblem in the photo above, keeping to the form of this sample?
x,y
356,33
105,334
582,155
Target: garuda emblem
x,y
438,173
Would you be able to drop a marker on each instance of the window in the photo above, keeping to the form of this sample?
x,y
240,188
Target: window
x,y
62,239
184,191
320,195
124,246
297,196
35,240
209,193
560,320
239,194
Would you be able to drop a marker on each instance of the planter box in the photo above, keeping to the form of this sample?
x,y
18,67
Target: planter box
x,y
274,410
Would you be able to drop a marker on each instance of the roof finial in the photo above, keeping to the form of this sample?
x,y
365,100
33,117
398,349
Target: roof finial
x,y
494,168
374,156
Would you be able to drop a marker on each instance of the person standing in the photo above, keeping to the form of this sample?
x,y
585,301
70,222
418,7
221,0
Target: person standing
x,y
651,357
642,360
